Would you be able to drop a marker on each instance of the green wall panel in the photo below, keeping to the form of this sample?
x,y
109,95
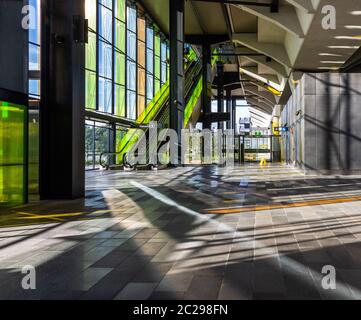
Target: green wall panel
x,y
12,154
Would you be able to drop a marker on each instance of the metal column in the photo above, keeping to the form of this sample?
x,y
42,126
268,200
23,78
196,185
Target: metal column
x,y
207,85
176,14
62,113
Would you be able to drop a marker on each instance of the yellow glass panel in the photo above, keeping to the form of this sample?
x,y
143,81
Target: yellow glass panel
x,y
141,54
141,104
141,29
141,81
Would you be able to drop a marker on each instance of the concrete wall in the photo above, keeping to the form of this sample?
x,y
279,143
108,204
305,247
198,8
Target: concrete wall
x,y
13,47
324,116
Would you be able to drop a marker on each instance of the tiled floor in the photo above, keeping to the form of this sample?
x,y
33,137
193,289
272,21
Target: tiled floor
x,y
189,233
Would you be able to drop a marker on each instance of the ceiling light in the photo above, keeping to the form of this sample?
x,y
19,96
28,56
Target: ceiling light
x,y
356,13
349,37
353,27
337,62
330,54
328,68
343,47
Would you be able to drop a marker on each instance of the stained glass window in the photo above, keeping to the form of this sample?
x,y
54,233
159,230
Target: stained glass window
x,y
131,63
150,64
163,57
126,61
141,65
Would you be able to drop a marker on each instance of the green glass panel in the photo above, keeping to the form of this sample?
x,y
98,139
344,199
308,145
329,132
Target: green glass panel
x,y
90,90
120,10
120,36
119,68
91,13
33,179
91,50
156,86
157,67
157,45
12,154
192,101
118,140
120,101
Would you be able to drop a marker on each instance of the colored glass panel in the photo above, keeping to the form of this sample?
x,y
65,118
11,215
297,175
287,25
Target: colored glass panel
x,y
120,101
131,105
91,52
157,45
105,59
141,29
120,10
119,68
141,54
156,86
90,90
105,24
105,95
120,36
141,82
141,104
157,67
12,154
91,13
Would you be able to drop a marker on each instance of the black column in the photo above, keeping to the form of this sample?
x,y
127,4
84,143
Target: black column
x,y
229,108
13,47
176,14
62,114
235,123
220,89
206,84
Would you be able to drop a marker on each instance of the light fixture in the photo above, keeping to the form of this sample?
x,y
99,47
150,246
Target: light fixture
x,y
336,62
343,47
330,54
328,68
353,27
348,37
356,13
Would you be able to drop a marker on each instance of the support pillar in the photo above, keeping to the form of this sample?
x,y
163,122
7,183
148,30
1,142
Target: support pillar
x,y
229,108
234,120
62,113
176,14
207,84
220,89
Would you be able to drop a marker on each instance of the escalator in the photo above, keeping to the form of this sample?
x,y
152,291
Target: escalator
x,y
158,111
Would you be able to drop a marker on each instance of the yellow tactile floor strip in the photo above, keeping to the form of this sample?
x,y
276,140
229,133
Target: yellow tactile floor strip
x,y
283,206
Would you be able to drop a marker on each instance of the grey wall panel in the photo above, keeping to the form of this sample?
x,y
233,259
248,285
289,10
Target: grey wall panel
x,y
310,132
327,83
327,138
350,137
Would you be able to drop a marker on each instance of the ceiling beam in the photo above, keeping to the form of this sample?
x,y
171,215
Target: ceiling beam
x,y
210,38
241,2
